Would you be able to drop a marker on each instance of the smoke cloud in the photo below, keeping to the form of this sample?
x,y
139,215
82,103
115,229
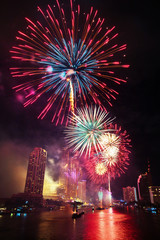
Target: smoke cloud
x,y
14,157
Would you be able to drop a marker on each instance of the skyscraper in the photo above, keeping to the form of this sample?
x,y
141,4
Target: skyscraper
x,y
82,190
129,194
143,183
73,174
36,170
154,194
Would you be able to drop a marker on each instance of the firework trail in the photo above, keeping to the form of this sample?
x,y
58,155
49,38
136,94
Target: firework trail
x,y
85,128
66,61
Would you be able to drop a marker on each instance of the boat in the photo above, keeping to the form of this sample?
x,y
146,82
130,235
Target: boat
x,y
77,215
100,208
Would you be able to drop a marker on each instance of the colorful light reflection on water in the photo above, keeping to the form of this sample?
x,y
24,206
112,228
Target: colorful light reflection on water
x,y
108,224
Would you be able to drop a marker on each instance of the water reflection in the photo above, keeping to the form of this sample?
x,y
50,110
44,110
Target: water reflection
x,y
108,224
101,224
56,225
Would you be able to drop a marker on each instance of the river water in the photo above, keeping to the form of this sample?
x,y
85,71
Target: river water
x,y
108,224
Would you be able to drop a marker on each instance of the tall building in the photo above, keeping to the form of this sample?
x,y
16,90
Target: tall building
x,y
154,192
129,194
62,189
36,170
81,193
73,173
143,183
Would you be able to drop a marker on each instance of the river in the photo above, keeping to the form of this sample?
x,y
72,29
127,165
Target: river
x,y
108,224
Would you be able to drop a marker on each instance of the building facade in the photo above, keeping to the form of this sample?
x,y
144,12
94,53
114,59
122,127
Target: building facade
x,y
81,193
73,173
129,194
35,172
154,192
144,182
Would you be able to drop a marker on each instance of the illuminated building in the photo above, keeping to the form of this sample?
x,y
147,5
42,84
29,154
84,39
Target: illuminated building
x,y
106,197
72,172
50,186
154,192
143,183
129,194
81,193
36,170
62,188
70,175
63,179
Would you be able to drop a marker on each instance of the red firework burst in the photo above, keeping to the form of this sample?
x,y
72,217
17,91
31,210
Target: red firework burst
x,y
90,165
114,168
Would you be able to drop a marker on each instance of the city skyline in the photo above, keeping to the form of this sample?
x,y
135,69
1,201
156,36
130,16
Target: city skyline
x,y
67,168
136,107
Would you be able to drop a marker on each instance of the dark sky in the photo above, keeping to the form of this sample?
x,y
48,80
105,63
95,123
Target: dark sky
x,y
136,108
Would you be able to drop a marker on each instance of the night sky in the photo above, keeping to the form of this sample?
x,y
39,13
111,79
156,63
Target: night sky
x,y
136,108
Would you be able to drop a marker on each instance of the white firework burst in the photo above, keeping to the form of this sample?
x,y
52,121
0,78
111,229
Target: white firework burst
x,y
111,144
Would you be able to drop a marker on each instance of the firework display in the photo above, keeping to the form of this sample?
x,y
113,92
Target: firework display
x,y
113,166
93,166
67,61
66,58
118,164
110,142
85,128
100,168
